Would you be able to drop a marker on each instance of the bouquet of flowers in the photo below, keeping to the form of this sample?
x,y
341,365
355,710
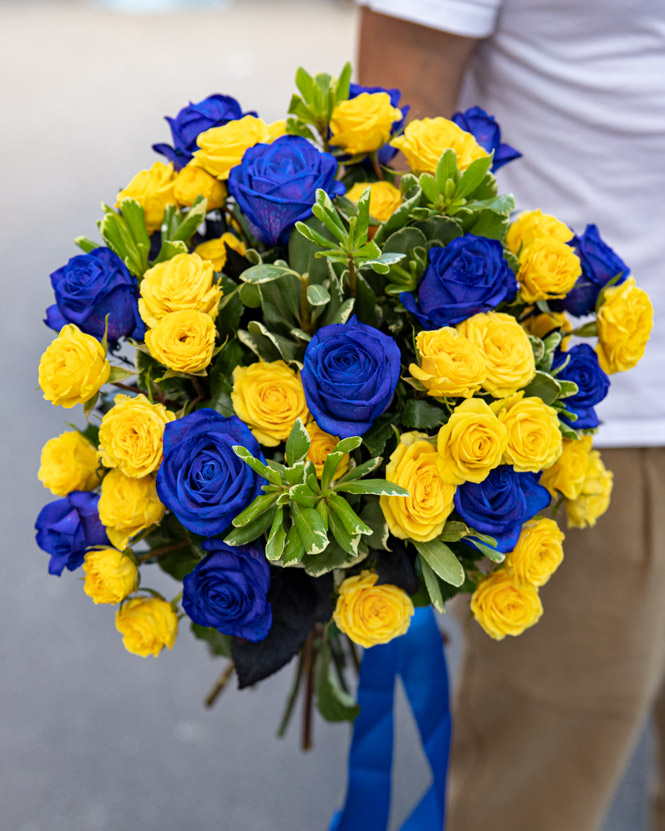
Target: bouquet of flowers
x,y
355,389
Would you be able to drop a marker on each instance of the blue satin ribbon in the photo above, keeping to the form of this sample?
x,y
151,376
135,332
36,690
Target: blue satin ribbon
x,y
419,659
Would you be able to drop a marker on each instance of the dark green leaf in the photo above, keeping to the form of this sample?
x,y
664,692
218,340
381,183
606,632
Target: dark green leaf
x,y
218,644
334,704
378,487
421,415
252,531
544,386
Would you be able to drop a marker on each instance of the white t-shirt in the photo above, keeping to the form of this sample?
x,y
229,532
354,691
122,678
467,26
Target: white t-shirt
x,y
578,87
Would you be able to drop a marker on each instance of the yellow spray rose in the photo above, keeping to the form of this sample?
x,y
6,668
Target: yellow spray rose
x,y
369,614
625,320
424,142
192,182
548,269
127,506
184,282
594,497
540,325
532,225
506,350
268,397
153,189
110,576
534,438
322,445
502,608
214,250
131,433
72,368
538,553
416,466
147,625
384,198
362,124
471,443
222,148
69,463
450,364
183,341
567,474
277,129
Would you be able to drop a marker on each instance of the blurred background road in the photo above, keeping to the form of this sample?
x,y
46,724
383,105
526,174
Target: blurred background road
x,y
90,736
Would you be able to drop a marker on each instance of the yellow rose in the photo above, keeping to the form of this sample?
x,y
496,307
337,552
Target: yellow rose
x,y
594,497
73,368
384,198
369,614
214,250
538,553
153,189
424,142
363,124
69,463
532,225
322,445
127,506
183,282
625,320
277,129
502,608
147,625
222,148
109,575
567,474
183,341
534,438
471,443
506,350
268,397
131,434
548,269
450,365
541,325
192,182
416,466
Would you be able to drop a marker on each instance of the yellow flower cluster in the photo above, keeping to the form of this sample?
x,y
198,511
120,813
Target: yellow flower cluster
x,y
424,142
384,198
625,320
154,190
110,575
222,148
147,624
69,463
363,124
73,368
369,614
214,250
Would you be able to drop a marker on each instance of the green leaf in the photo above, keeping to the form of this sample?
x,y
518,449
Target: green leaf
x,y
257,465
446,168
334,704
350,519
86,244
343,83
218,644
346,541
544,386
298,443
454,531
376,437
400,217
333,557
421,415
305,84
372,515
304,496
378,487
294,549
254,509
432,586
169,249
317,295
264,273
132,213
362,470
195,216
348,444
429,186
252,531
311,528
330,467
119,373
473,176
491,553
442,561
90,404
250,296
589,330
568,388
276,537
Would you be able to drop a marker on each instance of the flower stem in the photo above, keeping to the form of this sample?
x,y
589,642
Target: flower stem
x,y
354,655
156,552
305,310
353,275
306,742
220,684
293,695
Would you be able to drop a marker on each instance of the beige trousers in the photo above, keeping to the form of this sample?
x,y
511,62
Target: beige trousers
x,y
544,723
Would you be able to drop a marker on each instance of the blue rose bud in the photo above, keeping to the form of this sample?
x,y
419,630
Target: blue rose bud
x,y
600,264
349,376
67,528
201,479
228,591
92,286
386,153
487,133
468,276
583,368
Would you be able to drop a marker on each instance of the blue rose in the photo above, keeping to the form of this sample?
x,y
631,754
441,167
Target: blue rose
x,y
501,504
386,153
275,185
468,276
600,264
201,479
583,368
228,591
194,119
92,286
349,376
66,529
487,133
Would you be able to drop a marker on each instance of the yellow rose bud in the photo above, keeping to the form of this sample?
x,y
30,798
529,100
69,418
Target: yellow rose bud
x,y
268,397
322,445
153,189
538,553
277,129
193,182
110,576
183,282
416,466
183,341
424,142
567,474
147,625
128,506
502,608
471,443
131,434
451,366
214,250
73,368
548,269
222,148
369,614
506,349
532,225
625,320
594,497
384,198
363,124
541,325
69,463
534,437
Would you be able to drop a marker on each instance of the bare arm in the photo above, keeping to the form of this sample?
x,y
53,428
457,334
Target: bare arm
x,y
425,64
